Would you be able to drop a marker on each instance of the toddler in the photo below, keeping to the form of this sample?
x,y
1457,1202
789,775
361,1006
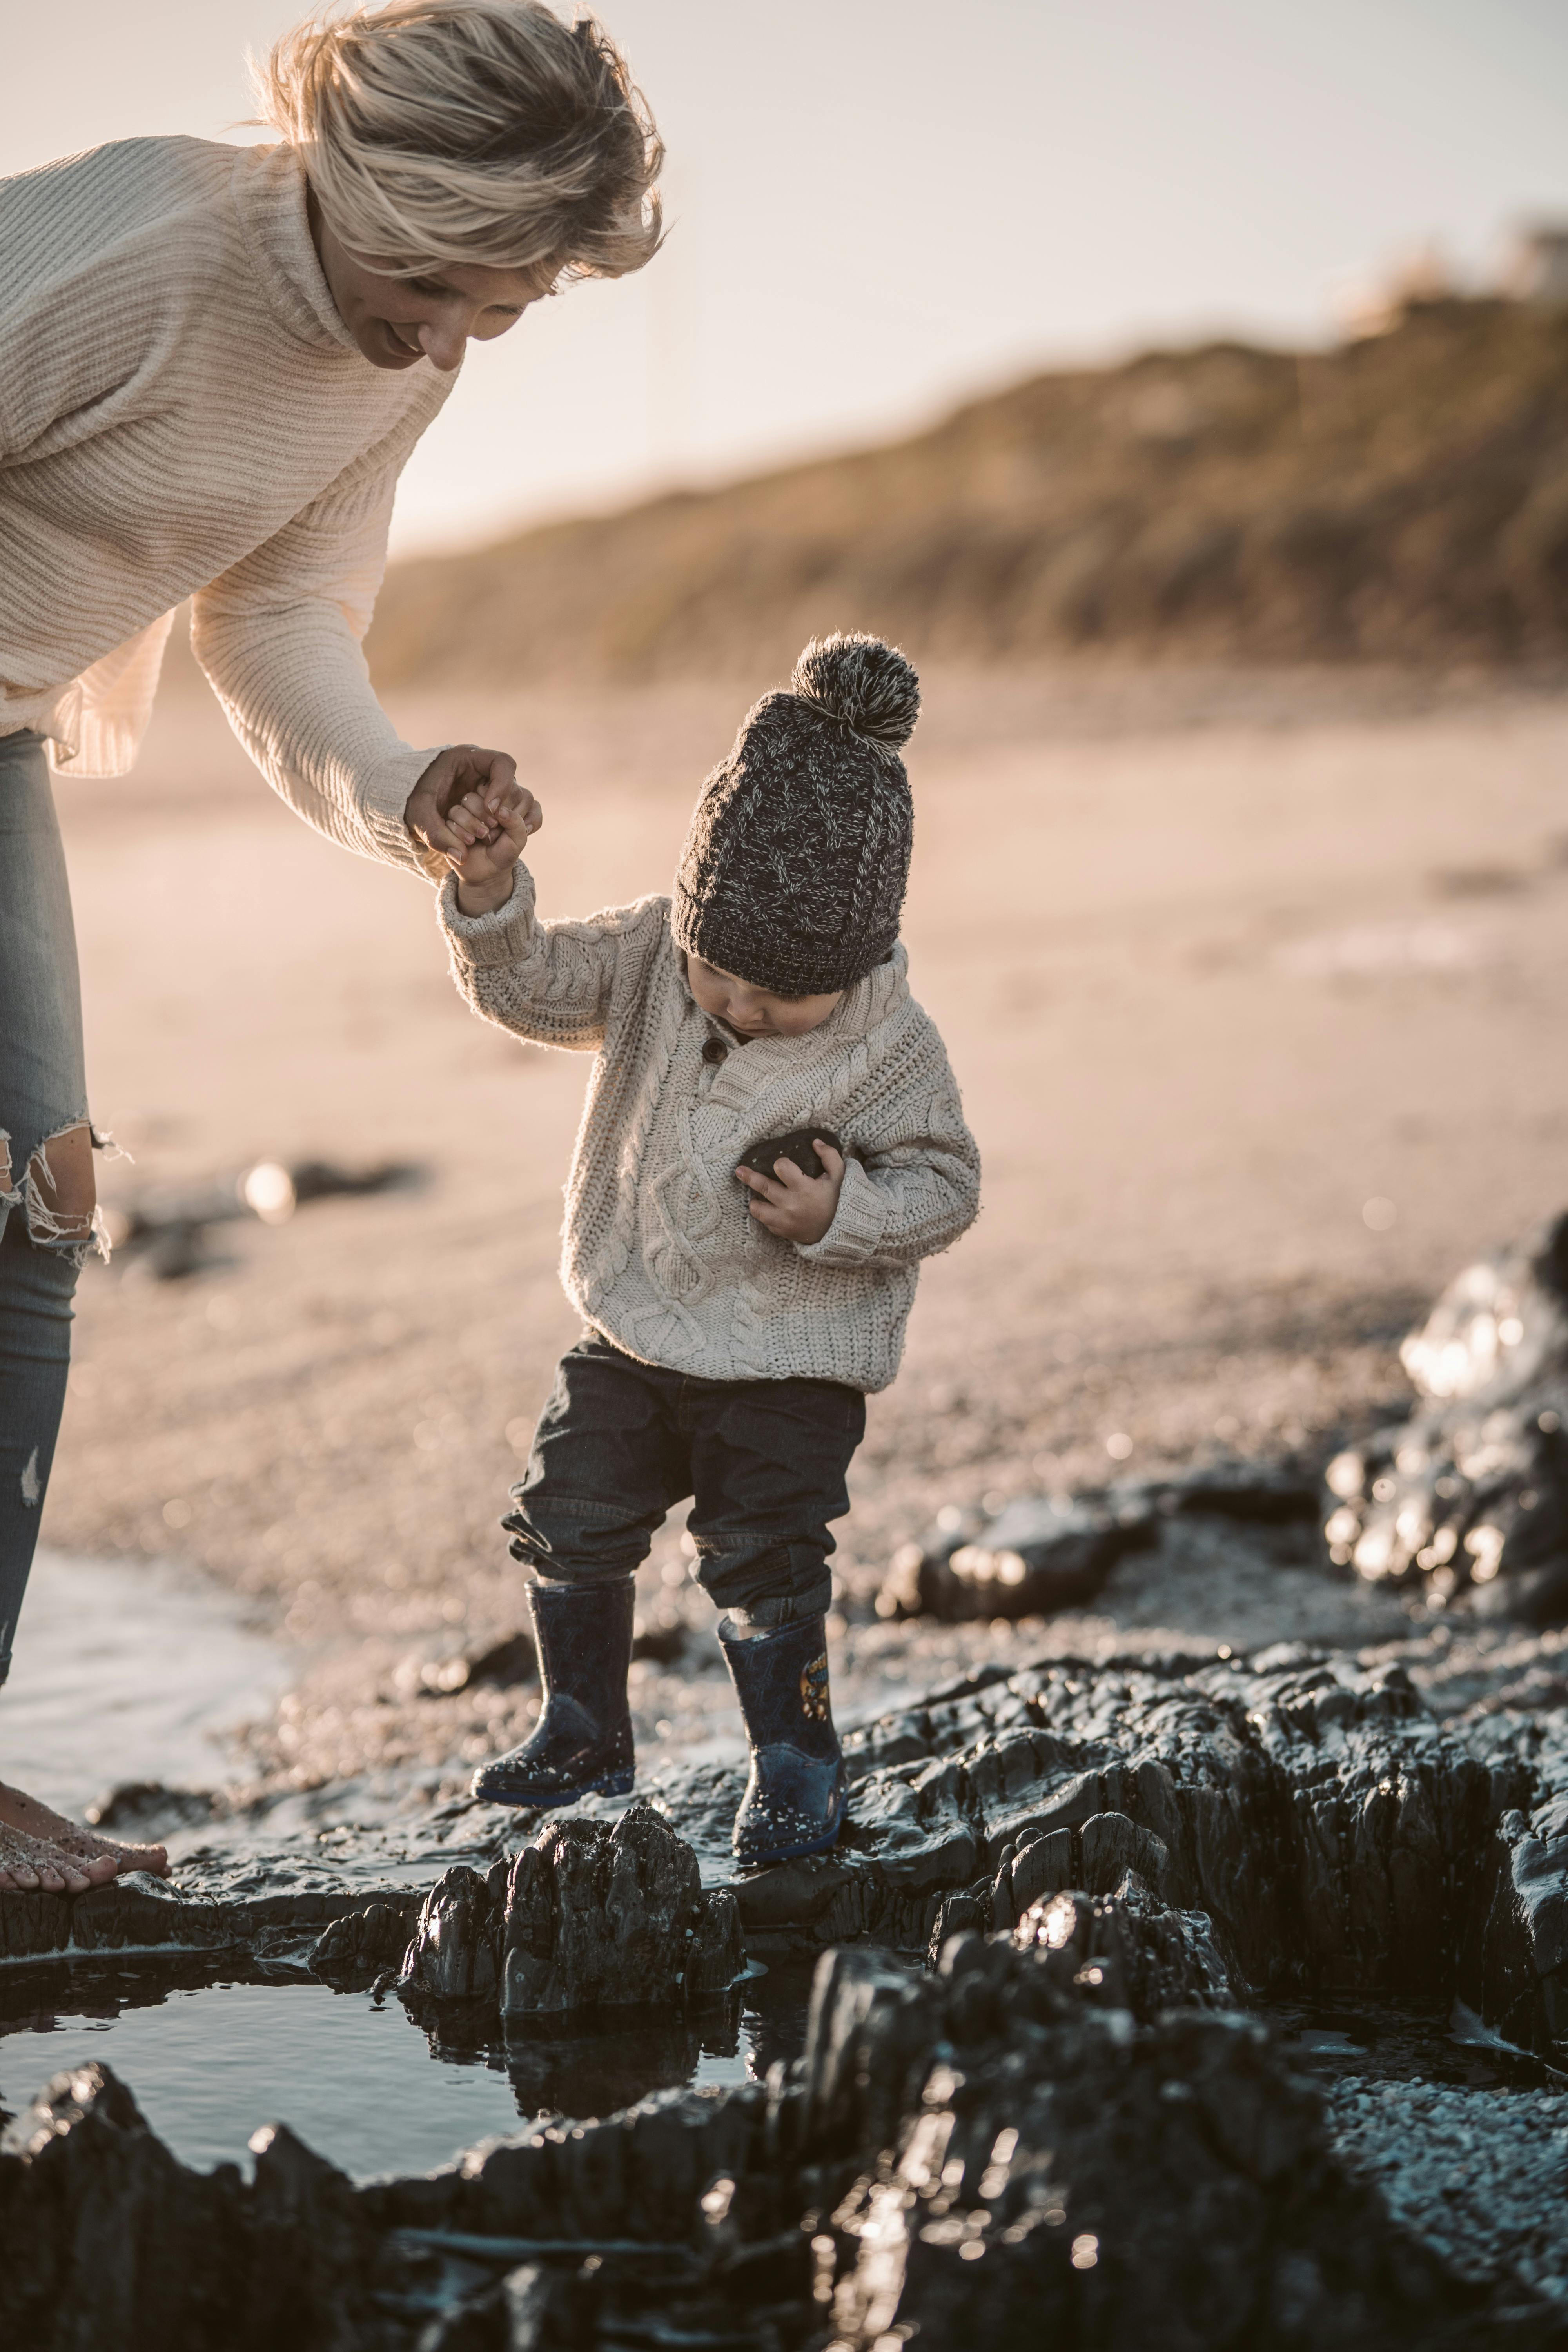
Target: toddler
x,y
736,1318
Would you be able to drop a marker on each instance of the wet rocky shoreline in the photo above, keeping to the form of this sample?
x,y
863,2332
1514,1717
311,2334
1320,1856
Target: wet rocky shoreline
x,y
1050,2086
1101,1866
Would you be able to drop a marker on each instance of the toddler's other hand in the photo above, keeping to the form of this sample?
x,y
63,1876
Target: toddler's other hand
x,y
493,838
796,1206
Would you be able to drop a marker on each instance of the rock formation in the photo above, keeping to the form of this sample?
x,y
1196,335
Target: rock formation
x,y
999,2146
587,1917
1045,1552
1335,1832
1468,1500
1054,2174
1038,1554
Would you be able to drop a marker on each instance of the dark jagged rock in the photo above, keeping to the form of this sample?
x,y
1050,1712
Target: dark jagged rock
x,y
110,2241
1331,1829
79,2171
1118,1942
279,1904
1036,1556
1042,1553
1514,1968
586,1918
1062,2175
1259,1493
513,1659
1027,2143
363,1942
165,1226
661,1636
1468,1500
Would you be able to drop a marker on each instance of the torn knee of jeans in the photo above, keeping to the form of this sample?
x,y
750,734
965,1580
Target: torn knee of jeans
x,y
60,1192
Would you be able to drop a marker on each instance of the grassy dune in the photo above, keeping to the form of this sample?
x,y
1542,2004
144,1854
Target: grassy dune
x,y
1403,499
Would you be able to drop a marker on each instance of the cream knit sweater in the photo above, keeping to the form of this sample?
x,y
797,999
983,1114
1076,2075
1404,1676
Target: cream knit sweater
x,y
182,411
660,1252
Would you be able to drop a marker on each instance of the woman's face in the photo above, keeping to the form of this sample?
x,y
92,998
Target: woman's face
x,y
398,321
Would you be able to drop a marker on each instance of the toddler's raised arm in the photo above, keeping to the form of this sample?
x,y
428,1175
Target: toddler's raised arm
x,y
549,982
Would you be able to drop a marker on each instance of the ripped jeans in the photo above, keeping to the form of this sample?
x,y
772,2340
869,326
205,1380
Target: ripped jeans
x,y
47,1199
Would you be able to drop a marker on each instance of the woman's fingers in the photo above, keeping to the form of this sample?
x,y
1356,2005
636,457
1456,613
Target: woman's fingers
x,y
496,772
466,775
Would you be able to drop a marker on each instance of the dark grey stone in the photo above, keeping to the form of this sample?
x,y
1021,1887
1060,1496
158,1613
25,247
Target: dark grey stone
x,y
1468,1500
1039,1554
587,1917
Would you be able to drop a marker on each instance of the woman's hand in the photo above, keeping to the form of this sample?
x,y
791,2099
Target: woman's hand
x,y
488,844
462,770
796,1206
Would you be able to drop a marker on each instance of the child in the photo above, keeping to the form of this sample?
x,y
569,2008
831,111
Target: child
x,y
736,1320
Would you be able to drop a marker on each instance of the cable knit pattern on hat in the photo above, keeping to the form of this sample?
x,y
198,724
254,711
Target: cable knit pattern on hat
x,y
658,1250
794,867
184,413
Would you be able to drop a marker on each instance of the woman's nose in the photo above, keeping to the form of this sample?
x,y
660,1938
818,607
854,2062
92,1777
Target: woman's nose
x,y
442,342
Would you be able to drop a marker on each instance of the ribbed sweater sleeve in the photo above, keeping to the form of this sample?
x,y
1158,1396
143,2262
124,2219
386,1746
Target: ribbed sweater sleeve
x,y
278,637
184,414
551,982
909,1198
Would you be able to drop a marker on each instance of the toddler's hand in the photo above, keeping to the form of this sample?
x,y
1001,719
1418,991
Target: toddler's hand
x,y
796,1206
492,839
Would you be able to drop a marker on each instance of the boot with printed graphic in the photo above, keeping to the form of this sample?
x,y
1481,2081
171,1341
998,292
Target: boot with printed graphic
x,y
794,1802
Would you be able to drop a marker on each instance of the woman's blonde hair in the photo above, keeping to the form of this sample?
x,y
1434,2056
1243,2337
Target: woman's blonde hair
x,y
466,132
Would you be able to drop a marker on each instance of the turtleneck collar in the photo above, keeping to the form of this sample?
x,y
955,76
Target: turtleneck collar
x,y
269,197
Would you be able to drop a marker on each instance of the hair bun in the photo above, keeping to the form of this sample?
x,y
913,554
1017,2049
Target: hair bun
x,y
867,684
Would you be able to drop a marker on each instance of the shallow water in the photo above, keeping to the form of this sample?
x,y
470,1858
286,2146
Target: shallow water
x,y
132,1672
210,2059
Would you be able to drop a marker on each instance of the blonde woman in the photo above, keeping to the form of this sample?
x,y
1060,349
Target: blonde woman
x,y
213,364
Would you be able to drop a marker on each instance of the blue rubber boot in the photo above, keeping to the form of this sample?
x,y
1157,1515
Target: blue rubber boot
x,y
795,1797
582,1743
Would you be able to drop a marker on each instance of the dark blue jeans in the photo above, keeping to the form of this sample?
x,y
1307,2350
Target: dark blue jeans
x,y
620,1442
43,1096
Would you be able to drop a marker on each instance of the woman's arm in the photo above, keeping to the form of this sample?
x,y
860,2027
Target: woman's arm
x,y
278,637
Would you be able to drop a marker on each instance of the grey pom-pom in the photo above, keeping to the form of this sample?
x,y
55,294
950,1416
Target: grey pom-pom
x,y
865,682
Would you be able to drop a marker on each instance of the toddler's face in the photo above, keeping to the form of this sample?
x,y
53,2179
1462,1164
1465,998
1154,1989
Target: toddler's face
x,y
755,1012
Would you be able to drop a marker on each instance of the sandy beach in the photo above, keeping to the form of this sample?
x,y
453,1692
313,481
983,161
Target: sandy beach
x,y
1220,962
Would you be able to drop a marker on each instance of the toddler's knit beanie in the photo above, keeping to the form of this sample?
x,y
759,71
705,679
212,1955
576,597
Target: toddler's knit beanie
x,y
794,872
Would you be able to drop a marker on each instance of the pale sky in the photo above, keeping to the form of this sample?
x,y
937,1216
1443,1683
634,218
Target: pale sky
x,y
880,206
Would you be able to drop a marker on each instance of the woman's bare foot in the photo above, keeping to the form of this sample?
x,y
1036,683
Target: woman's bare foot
x,y
30,1866
40,1849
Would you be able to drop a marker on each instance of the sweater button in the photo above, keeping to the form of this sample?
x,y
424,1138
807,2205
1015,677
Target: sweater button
x,y
715,1051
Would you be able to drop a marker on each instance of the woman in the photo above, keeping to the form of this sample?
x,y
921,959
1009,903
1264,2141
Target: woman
x,y
213,364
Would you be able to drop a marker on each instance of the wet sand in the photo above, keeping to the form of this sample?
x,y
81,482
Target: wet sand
x,y
1219,961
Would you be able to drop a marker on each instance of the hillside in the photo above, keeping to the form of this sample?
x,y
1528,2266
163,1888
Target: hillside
x,y
1402,499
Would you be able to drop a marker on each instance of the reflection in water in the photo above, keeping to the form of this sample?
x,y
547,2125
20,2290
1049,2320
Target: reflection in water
x,y
210,2055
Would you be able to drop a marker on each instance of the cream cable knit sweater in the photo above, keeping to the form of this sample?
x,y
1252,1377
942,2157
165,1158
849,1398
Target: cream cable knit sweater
x,y
658,1250
182,411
